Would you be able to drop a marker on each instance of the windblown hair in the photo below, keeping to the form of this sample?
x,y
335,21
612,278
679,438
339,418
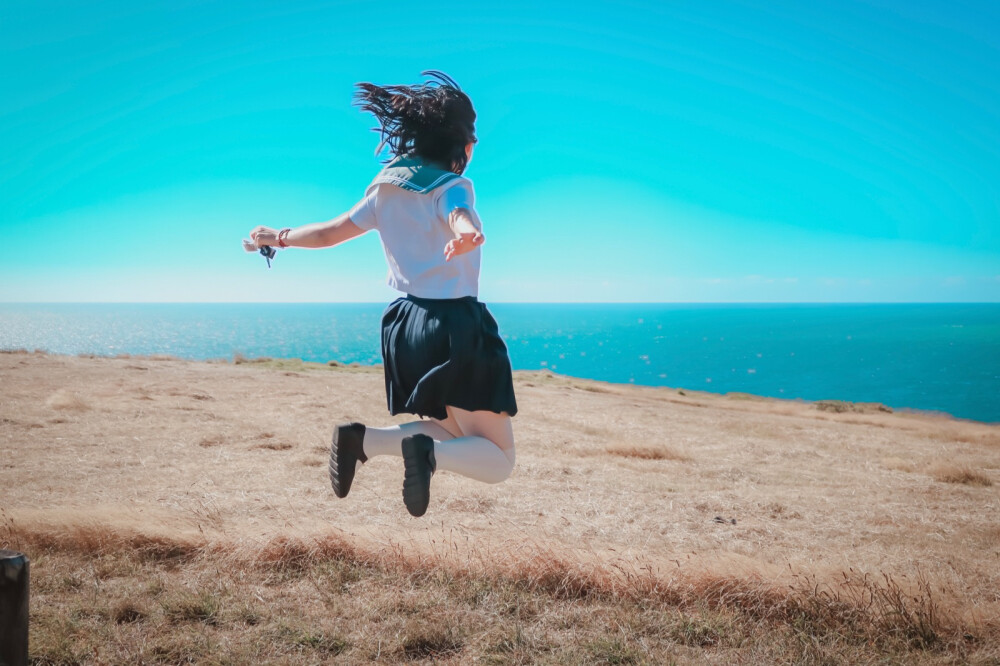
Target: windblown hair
x,y
433,120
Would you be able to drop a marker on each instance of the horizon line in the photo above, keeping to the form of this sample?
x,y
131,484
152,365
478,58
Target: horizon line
x,y
498,302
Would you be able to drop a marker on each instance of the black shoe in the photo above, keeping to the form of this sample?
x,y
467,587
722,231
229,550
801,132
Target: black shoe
x,y
419,464
345,453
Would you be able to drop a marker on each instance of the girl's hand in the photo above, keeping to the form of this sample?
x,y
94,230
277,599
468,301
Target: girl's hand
x,y
466,226
262,236
465,242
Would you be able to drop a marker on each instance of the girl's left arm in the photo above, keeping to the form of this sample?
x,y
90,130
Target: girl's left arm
x,y
321,234
468,232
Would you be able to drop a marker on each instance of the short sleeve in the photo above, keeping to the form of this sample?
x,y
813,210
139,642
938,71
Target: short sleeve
x,y
459,195
363,213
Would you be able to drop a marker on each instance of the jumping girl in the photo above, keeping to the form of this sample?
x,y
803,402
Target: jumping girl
x,y
443,356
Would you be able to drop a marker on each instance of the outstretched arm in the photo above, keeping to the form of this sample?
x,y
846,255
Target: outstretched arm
x,y
321,234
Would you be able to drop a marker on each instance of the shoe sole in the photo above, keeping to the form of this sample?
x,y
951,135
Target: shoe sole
x,y
418,463
344,457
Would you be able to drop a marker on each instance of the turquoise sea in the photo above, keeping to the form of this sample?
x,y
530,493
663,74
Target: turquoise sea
x,y
938,357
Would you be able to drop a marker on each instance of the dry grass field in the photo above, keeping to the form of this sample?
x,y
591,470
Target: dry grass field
x,y
178,512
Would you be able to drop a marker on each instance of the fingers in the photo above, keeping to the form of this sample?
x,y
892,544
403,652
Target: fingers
x,y
454,248
262,236
464,243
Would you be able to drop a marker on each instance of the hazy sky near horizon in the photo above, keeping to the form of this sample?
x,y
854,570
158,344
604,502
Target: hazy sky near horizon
x,y
660,151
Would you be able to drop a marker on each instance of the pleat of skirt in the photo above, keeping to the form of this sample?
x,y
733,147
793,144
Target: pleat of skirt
x,y
440,352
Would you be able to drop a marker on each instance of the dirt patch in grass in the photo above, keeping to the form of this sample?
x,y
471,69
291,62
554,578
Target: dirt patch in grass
x,y
275,446
646,452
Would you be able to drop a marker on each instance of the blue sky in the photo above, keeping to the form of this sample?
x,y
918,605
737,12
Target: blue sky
x,y
668,151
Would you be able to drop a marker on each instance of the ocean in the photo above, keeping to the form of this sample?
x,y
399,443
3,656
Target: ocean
x,y
936,357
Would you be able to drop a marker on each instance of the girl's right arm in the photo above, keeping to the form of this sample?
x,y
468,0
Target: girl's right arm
x,y
321,234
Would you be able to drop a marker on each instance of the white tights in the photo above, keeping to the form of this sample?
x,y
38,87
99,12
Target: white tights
x,y
475,457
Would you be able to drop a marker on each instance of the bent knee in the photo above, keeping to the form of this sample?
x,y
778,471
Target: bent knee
x,y
502,471
510,454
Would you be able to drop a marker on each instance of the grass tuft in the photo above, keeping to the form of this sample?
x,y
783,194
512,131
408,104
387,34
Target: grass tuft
x,y
701,630
193,607
128,612
212,440
613,651
55,641
429,641
97,539
305,639
63,400
843,406
288,553
960,474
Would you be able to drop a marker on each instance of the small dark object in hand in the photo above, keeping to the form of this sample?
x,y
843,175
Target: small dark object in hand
x,y
268,253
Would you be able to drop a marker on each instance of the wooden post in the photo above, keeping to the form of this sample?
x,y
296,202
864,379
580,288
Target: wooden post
x,y
13,609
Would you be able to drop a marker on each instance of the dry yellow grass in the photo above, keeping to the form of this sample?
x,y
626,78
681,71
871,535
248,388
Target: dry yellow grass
x,y
188,588
64,400
950,473
184,516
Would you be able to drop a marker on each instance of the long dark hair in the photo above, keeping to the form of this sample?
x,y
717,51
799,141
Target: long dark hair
x,y
433,120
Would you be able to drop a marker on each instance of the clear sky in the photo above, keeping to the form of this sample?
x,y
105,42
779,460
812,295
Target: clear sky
x,y
662,151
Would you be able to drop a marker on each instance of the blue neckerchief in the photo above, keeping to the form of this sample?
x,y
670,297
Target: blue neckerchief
x,y
412,173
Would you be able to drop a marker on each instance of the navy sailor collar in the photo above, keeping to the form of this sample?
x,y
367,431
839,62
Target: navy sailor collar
x,y
411,173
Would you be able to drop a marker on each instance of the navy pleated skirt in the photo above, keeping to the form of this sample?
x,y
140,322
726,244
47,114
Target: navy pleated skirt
x,y
439,352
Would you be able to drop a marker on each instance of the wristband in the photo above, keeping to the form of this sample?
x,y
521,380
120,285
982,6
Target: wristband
x,y
282,235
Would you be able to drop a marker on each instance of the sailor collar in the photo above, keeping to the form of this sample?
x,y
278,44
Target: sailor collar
x,y
413,174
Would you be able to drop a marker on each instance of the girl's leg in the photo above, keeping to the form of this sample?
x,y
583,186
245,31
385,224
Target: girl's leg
x,y
479,445
466,426
386,441
483,451
354,444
